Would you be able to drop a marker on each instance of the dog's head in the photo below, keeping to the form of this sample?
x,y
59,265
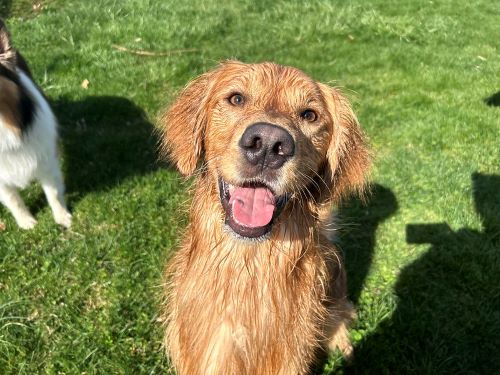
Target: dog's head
x,y
16,106
266,134
7,52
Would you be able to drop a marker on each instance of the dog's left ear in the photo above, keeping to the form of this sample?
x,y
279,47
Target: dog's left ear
x,y
348,159
7,51
184,125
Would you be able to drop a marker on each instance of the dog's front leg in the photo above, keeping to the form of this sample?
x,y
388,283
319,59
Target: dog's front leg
x,y
53,187
10,197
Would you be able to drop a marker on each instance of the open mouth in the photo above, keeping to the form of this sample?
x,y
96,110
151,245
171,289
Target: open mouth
x,y
250,209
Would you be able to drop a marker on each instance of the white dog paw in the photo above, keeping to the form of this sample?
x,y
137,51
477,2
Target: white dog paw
x,y
26,222
63,218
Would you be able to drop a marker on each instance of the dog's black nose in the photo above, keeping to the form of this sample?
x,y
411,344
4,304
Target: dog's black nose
x,y
267,144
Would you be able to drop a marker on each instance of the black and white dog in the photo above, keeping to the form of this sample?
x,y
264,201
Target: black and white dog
x,y
28,137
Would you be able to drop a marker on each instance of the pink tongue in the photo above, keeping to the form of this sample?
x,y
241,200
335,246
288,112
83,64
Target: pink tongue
x,y
252,207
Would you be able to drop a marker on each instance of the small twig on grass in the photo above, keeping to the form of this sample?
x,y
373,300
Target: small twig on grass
x,y
153,54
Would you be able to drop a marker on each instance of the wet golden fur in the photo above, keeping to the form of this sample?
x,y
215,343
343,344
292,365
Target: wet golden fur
x,y
272,306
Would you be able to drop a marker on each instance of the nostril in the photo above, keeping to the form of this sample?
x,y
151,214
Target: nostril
x,y
252,143
284,147
257,143
278,149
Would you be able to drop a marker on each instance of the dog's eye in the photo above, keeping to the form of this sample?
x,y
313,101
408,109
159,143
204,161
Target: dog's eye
x,y
236,99
309,115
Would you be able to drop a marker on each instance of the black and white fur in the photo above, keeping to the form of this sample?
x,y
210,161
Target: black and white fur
x,y
28,148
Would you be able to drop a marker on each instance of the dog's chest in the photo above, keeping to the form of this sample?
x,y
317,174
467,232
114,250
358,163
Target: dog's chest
x,y
17,165
250,312
22,154
10,139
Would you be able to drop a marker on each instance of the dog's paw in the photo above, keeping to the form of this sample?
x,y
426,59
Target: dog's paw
x,y
340,339
26,222
63,218
347,352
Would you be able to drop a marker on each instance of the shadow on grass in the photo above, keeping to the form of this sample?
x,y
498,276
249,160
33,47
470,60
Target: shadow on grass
x,y
493,100
5,6
357,238
448,316
106,139
358,225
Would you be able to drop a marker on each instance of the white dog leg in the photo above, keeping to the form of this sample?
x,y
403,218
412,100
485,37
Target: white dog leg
x,y
10,197
53,187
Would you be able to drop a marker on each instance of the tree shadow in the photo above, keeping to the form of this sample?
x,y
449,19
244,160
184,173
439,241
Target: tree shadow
x,y
357,233
493,100
106,139
448,316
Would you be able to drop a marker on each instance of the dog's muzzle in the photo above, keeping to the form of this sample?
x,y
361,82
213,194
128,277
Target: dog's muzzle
x,y
252,207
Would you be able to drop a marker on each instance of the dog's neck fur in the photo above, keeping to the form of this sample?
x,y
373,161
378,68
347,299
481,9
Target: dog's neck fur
x,y
250,284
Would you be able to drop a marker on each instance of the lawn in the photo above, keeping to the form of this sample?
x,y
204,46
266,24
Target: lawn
x,y
423,254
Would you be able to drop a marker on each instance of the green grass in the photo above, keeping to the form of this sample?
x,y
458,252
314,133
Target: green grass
x,y
423,255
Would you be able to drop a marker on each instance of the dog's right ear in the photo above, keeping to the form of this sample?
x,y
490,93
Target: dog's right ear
x,y
184,125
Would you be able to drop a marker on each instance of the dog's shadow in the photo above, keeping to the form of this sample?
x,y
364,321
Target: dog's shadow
x,y
493,100
359,222
447,320
105,139
5,6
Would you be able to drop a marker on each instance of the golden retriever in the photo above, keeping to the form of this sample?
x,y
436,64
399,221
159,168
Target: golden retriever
x,y
256,287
